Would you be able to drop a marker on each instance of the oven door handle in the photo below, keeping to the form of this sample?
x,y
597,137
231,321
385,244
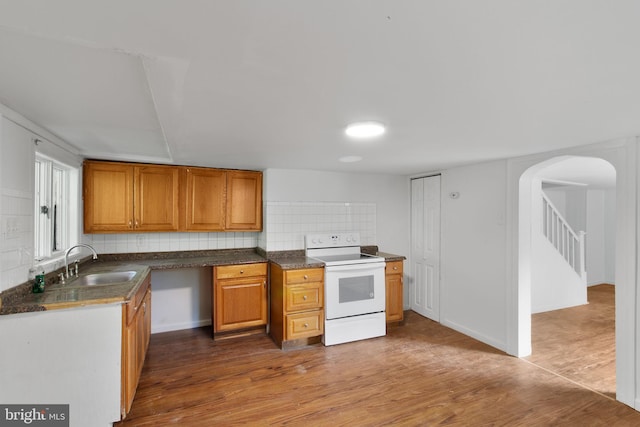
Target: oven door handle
x,y
355,267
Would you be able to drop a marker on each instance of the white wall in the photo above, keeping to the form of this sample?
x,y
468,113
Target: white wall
x,y
389,193
180,299
168,242
473,297
601,233
17,164
554,283
571,202
593,211
64,357
17,156
595,238
610,236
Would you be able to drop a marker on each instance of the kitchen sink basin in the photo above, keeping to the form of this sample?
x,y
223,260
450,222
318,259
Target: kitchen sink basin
x,y
105,278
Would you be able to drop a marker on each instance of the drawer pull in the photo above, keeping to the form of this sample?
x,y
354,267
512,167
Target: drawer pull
x,y
241,271
306,277
304,297
395,268
306,325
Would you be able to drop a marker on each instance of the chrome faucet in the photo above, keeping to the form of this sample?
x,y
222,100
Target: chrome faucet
x,y
66,255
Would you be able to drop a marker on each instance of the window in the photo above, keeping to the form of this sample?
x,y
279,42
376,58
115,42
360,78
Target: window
x,y
52,207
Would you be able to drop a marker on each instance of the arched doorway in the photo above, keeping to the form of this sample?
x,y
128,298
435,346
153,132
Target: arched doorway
x,y
571,195
621,155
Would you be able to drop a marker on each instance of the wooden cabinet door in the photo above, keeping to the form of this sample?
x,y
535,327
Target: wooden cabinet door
x,y
146,311
130,361
156,198
394,298
136,332
143,328
244,200
108,197
205,199
240,303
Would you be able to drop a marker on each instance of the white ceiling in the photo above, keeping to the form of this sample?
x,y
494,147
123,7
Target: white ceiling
x,y
579,172
272,84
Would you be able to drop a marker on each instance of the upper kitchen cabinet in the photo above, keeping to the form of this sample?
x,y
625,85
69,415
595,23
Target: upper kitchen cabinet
x,y
244,201
204,197
132,197
121,197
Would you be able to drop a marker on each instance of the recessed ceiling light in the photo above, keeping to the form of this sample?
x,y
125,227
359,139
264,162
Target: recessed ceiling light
x,y
365,129
350,159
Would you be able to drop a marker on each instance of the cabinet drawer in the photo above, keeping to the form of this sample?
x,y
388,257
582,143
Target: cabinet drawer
x,y
242,270
304,275
304,297
303,325
393,267
136,300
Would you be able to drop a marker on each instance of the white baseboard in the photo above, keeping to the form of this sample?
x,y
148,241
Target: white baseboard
x,y
475,335
155,329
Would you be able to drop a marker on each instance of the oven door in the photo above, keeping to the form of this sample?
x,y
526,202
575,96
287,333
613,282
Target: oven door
x,y
354,289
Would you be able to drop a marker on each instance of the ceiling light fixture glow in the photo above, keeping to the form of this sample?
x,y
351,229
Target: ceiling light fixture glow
x,y
365,129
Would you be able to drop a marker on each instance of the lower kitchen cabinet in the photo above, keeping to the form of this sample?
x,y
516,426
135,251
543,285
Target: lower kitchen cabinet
x,y
297,302
239,296
394,290
136,324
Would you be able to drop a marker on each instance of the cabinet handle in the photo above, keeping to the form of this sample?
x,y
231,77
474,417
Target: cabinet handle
x,y
306,277
137,224
241,271
144,307
304,297
264,283
130,224
306,325
395,268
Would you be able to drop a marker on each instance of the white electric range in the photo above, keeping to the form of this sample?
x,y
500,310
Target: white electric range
x,y
354,287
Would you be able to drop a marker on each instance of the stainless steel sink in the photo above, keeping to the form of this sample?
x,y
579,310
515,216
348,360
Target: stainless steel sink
x,y
105,278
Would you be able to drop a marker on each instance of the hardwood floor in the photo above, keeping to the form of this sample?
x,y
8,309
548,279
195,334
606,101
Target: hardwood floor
x,y
579,342
420,373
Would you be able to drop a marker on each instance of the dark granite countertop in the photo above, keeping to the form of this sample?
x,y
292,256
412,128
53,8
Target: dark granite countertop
x,y
70,294
289,260
58,295
190,259
390,257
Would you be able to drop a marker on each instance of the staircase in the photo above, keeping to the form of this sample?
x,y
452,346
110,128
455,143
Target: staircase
x,y
568,243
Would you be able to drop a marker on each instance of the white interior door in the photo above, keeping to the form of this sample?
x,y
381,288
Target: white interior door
x,y
425,246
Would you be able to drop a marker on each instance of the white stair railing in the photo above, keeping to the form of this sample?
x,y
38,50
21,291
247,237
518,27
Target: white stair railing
x,y
566,241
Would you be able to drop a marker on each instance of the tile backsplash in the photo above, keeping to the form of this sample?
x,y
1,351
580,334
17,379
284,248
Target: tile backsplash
x,y
286,223
16,236
169,242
